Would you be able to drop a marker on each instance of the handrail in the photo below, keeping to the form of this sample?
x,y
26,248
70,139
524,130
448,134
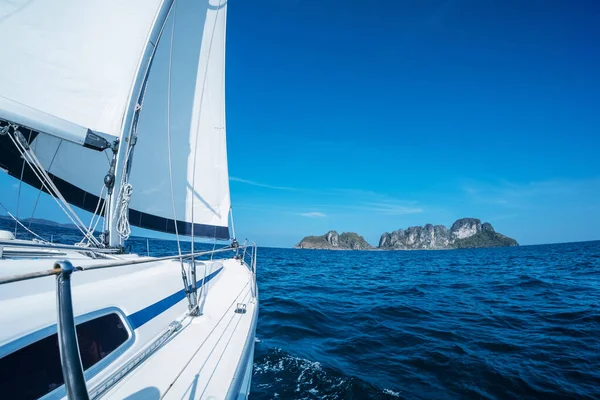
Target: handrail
x,y
251,253
118,263
121,263
68,345
13,243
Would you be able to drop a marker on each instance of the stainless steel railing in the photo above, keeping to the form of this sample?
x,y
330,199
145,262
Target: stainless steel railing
x,y
249,257
68,345
111,264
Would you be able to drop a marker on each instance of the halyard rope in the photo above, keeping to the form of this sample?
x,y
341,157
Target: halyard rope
x,y
121,212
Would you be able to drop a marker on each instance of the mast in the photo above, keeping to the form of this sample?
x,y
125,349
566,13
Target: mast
x,y
129,131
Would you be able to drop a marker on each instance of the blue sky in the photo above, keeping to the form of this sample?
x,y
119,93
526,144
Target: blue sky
x,y
374,116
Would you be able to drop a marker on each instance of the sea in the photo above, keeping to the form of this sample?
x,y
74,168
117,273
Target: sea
x,y
500,323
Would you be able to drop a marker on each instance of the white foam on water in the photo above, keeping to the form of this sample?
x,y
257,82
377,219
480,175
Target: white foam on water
x,y
391,393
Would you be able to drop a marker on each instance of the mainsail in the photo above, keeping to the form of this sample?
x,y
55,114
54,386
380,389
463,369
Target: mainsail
x,y
69,69
197,168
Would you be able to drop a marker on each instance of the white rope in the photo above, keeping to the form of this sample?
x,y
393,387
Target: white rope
x,y
123,227
121,212
96,215
99,215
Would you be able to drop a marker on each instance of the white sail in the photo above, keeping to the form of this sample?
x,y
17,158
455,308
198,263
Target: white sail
x,y
198,142
69,68
74,60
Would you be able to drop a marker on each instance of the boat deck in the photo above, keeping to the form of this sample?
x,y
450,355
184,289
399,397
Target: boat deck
x,y
208,356
202,359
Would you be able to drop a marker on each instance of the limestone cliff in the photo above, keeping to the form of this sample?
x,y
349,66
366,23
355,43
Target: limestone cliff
x,y
464,233
334,241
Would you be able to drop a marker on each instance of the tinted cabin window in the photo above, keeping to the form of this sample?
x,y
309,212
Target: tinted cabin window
x,y
35,370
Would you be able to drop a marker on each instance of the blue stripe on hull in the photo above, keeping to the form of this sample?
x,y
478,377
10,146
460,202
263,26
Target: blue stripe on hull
x,y
144,315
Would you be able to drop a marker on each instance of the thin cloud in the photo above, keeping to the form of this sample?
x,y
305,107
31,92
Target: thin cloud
x,y
313,214
264,185
337,199
392,209
529,194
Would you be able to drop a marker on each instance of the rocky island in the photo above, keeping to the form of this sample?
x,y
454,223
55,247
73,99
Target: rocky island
x,y
334,241
464,233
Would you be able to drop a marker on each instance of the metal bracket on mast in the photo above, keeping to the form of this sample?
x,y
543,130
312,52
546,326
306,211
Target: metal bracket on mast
x,y
109,182
109,178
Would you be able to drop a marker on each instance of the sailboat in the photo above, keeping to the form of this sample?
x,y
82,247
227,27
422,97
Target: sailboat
x,y
82,87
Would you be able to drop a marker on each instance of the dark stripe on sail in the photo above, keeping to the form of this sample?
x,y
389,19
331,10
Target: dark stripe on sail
x,y
156,223
10,160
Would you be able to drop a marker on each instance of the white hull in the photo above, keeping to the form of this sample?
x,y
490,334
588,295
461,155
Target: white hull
x,y
206,356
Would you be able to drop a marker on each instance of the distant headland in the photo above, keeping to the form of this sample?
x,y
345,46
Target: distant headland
x,y
464,233
38,221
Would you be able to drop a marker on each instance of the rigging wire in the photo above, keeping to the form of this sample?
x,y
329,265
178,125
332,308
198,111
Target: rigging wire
x,y
23,226
169,126
96,215
232,224
73,216
21,184
40,190
184,276
48,184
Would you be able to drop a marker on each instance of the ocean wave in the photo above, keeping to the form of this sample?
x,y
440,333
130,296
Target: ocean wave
x,y
278,374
